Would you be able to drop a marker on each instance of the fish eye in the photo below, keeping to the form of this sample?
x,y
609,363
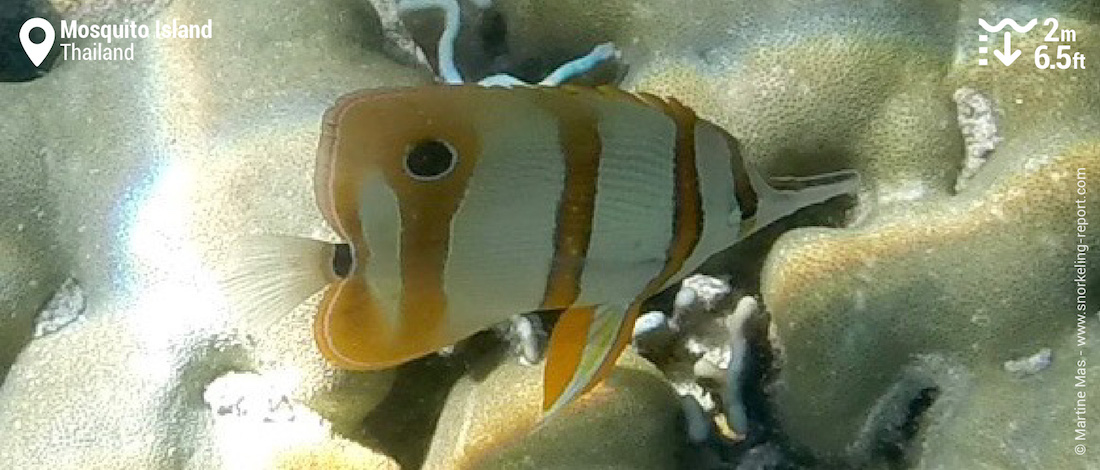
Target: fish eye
x,y
430,160
342,260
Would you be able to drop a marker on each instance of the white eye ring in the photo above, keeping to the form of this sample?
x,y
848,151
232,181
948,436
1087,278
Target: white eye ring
x,y
430,160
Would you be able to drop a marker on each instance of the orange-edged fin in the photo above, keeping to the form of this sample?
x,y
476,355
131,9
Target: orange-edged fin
x,y
584,340
353,331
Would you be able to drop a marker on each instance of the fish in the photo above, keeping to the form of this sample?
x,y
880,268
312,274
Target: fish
x,y
459,206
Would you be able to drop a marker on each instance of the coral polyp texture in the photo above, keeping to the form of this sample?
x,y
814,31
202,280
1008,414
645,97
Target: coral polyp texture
x,y
932,324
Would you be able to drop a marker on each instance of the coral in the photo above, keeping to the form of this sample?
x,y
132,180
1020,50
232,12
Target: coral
x,y
108,11
65,307
953,263
703,352
337,454
246,405
703,320
1029,365
445,50
865,92
652,332
978,124
526,336
31,264
631,421
976,279
253,397
737,367
138,178
929,329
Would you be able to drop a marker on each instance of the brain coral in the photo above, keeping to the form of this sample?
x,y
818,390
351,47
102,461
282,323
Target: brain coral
x,y
933,328
933,285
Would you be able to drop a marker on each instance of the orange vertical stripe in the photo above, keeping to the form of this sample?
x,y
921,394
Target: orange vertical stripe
x,y
579,141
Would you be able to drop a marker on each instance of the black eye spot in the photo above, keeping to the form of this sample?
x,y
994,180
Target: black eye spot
x,y
342,260
430,160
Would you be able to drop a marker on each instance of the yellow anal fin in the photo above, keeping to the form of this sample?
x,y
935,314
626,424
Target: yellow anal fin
x,y
564,352
621,340
583,350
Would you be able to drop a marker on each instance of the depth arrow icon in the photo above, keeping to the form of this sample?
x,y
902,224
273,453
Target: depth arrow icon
x,y
1005,57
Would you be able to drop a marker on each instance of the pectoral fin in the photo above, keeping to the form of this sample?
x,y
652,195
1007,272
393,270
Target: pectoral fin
x,y
583,349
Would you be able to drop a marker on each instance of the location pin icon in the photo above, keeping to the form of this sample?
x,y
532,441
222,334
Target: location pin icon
x,y
36,52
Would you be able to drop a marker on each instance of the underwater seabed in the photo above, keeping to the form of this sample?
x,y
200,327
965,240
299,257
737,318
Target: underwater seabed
x,y
928,323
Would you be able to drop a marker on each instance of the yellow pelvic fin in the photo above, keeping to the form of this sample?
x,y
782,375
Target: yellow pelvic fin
x,y
564,352
583,349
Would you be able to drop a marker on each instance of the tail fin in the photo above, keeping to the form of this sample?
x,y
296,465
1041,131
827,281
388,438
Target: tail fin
x,y
782,196
269,275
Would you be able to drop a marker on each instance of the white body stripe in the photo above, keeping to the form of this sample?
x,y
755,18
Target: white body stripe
x,y
720,230
632,223
502,236
379,213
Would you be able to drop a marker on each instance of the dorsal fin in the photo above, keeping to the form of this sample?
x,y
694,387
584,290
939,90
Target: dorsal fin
x,y
668,105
